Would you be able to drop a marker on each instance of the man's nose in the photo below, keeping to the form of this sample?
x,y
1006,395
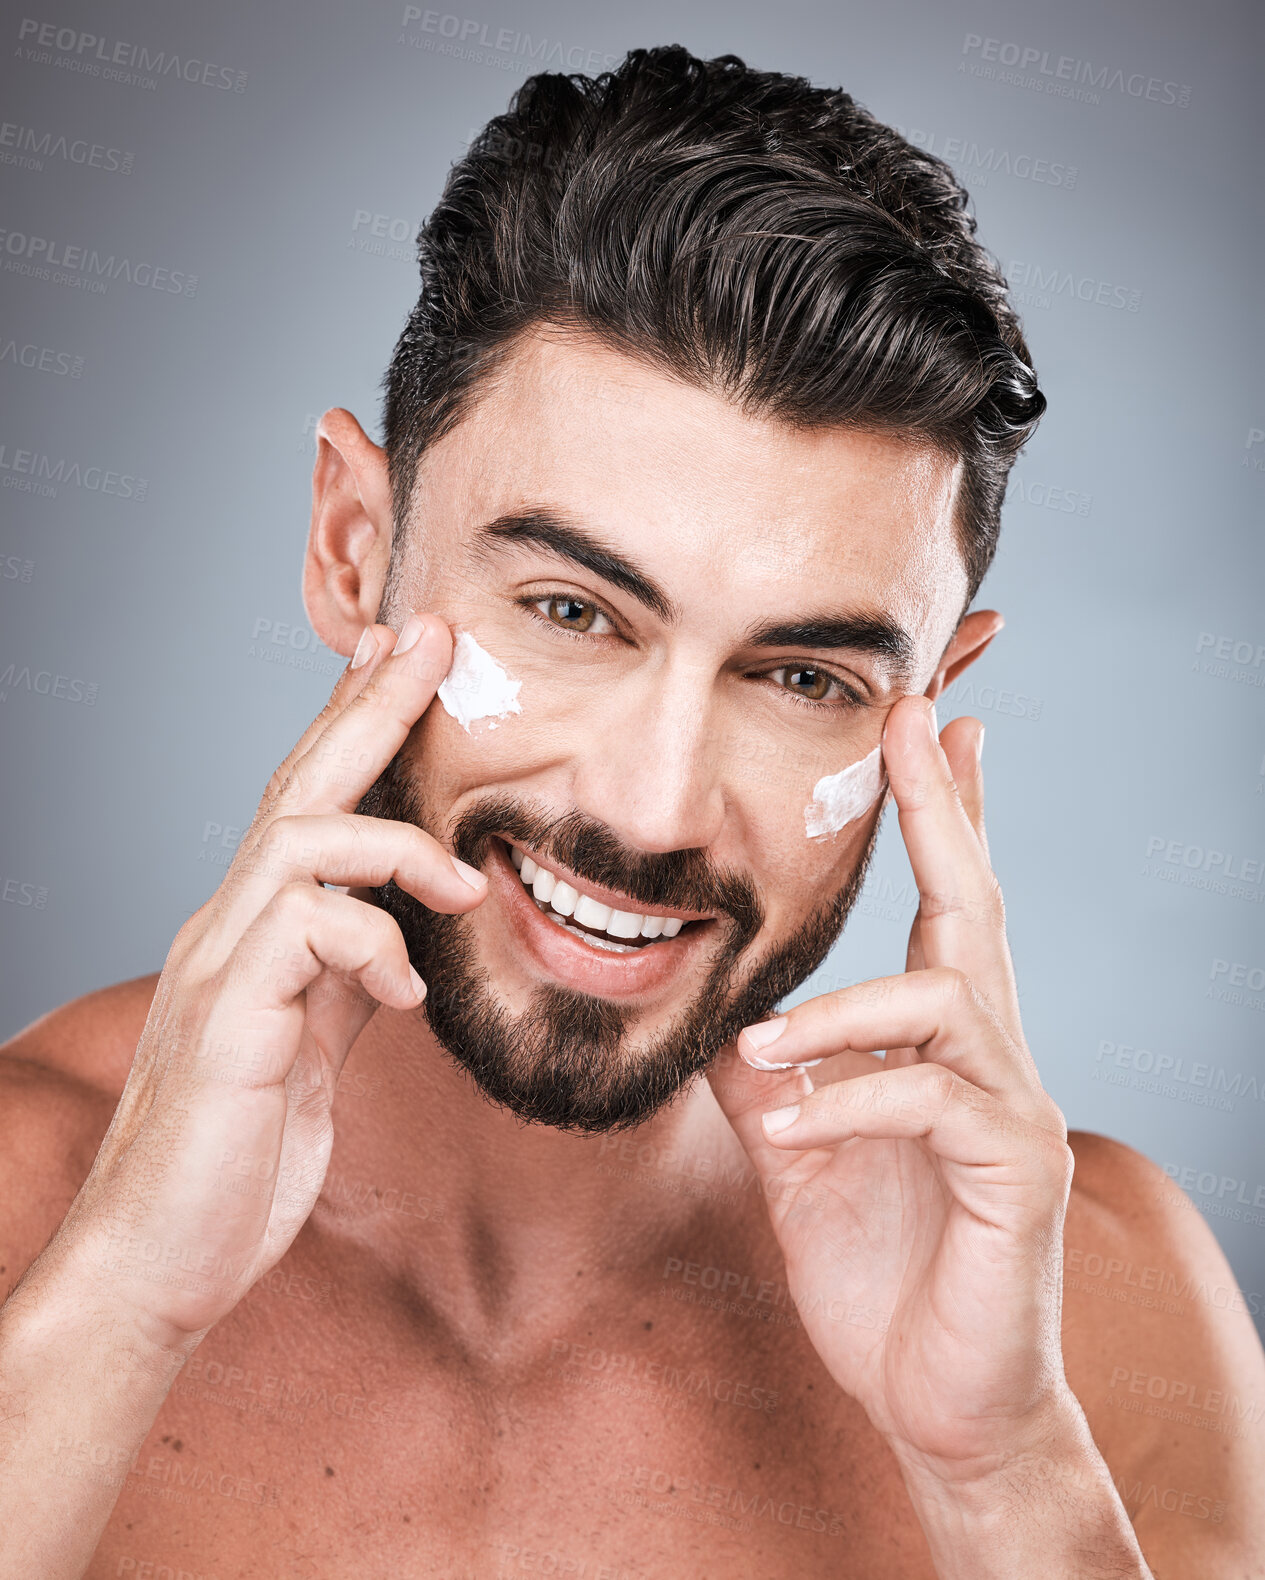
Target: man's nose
x,y
651,769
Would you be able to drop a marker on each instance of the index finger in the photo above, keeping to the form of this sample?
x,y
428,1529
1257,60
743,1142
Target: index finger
x,y
961,915
744,1094
347,756
359,670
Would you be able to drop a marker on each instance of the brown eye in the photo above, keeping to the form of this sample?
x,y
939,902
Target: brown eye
x,y
571,613
811,683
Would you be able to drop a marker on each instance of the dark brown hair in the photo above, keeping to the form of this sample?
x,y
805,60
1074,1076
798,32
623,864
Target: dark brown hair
x,y
742,229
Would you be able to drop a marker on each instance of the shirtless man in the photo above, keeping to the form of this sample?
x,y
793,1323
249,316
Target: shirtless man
x,y
294,1290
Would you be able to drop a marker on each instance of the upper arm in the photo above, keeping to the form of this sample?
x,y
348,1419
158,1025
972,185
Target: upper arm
x,y
51,1129
60,1080
1161,1351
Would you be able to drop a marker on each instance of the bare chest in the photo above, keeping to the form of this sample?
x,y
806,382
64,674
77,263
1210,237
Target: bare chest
x,y
672,1442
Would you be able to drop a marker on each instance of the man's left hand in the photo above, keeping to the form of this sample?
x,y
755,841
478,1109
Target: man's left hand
x,y
920,1206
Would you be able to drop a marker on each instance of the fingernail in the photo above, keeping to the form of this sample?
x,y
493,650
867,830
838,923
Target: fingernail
x,y
933,722
780,1118
765,1032
419,987
468,874
763,1064
413,628
979,744
364,648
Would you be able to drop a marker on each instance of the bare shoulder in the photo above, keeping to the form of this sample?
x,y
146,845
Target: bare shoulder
x,y
1162,1352
90,1039
60,1081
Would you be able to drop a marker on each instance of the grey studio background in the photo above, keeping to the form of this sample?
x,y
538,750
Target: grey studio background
x,y
257,174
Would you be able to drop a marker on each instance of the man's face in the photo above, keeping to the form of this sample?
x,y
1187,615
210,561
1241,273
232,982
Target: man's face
x,y
708,612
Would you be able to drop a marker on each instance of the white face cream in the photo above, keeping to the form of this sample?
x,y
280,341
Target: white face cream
x,y
476,687
841,798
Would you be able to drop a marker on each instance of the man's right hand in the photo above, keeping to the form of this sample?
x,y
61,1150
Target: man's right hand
x,y
263,993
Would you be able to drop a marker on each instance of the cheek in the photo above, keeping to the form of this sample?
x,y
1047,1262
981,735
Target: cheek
x,y
478,691
505,674
559,682
816,868
451,768
844,797
809,823
491,721
814,834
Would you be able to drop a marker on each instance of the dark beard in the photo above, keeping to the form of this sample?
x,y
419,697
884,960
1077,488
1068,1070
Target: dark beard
x,y
565,1061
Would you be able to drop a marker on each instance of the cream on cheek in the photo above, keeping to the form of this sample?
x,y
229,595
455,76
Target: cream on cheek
x,y
476,687
839,799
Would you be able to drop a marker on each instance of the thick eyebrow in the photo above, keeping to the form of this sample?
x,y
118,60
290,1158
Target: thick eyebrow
x,y
550,529
553,530
857,633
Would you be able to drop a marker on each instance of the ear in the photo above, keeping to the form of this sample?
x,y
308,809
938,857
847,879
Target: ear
x,y
349,542
970,639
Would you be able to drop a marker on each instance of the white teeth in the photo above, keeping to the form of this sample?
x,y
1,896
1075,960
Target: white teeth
x,y
563,898
591,938
558,899
590,914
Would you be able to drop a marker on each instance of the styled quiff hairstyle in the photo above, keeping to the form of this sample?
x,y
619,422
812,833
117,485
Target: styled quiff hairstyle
x,y
741,229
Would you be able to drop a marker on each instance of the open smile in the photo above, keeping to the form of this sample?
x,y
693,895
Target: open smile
x,y
576,910
590,936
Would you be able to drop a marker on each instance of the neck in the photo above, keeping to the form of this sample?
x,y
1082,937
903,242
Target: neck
x,y
486,1217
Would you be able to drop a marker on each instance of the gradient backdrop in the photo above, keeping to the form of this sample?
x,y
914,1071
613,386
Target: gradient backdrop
x,y
256,176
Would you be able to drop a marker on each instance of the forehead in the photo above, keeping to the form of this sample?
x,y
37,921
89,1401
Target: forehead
x,y
748,508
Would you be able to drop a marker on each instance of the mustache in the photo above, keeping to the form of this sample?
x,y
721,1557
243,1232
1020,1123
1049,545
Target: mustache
x,y
687,880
